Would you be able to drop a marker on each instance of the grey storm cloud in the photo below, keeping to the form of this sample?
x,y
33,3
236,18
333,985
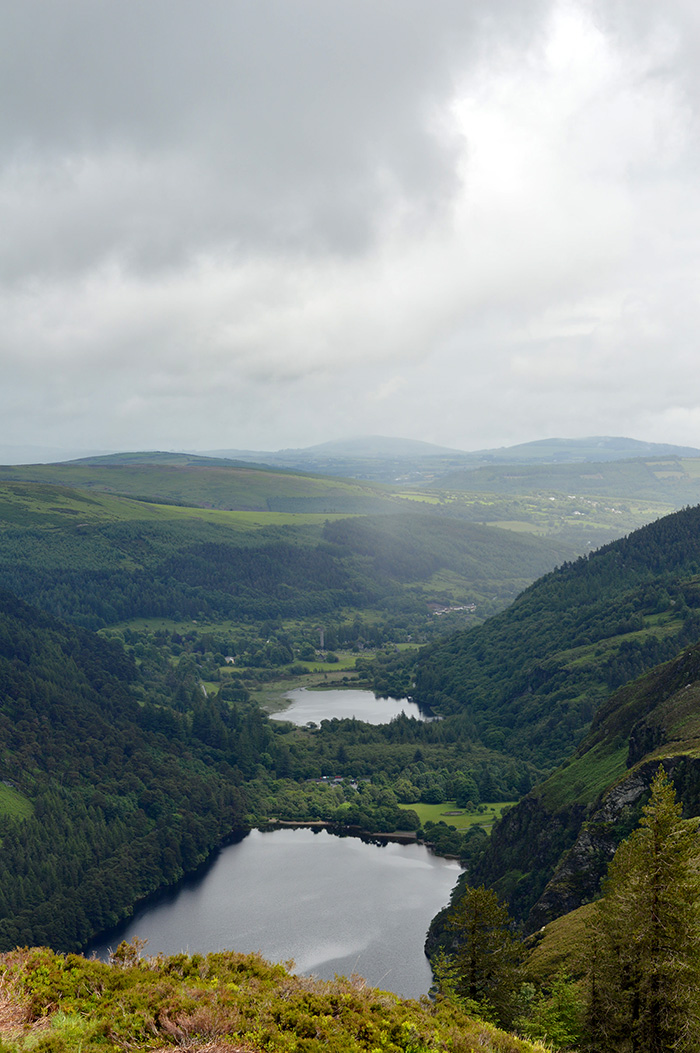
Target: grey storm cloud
x,y
248,124
270,222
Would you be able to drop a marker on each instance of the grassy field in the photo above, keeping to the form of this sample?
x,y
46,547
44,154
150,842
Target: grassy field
x,y
344,663
271,696
14,803
462,820
417,495
264,497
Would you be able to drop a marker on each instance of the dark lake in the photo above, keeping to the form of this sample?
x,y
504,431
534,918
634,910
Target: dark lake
x,y
325,705
334,904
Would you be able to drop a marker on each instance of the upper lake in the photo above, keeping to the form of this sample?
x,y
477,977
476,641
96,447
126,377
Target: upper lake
x,y
334,904
316,706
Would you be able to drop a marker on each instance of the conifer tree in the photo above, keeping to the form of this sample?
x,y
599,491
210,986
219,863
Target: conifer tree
x,y
488,955
645,957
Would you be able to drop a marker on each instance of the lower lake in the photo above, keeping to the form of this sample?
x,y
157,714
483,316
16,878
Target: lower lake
x,y
314,706
334,904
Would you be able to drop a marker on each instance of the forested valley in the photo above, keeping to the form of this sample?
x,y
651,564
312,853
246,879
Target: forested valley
x,y
138,639
129,753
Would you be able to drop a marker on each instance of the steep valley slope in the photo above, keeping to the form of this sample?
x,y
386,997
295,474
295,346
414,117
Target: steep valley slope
x,y
531,679
549,854
551,851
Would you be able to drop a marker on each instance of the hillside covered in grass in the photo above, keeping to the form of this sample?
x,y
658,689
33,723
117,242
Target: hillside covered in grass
x,y
209,483
581,517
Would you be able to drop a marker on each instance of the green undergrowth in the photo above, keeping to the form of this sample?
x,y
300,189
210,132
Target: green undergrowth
x,y
560,947
585,777
220,1003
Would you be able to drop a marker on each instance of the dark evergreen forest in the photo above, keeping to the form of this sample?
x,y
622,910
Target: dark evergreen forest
x,y
119,806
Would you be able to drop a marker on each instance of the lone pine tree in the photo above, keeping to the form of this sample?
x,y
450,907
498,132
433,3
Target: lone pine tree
x,y
487,959
645,948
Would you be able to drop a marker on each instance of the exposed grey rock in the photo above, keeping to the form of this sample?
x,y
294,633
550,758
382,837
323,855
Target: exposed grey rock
x,y
577,877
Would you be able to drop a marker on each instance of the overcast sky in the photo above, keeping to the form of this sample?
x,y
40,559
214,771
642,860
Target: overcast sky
x,y
270,223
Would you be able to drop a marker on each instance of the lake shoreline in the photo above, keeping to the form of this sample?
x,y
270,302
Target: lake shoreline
x,y
306,706
399,837
242,901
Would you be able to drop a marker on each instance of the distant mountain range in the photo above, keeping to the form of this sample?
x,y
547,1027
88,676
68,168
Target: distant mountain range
x,y
378,458
540,451
392,460
574,451
370,447
380,448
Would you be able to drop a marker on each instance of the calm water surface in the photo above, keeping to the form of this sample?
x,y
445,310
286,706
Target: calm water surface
x,y
325,705
333,904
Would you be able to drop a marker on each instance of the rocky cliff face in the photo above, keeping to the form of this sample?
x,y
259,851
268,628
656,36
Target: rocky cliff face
x,y
546,863
524,850
576,879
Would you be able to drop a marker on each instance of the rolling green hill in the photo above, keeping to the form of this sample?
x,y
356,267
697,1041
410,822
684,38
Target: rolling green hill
x,y
97,558
579,518
209,483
